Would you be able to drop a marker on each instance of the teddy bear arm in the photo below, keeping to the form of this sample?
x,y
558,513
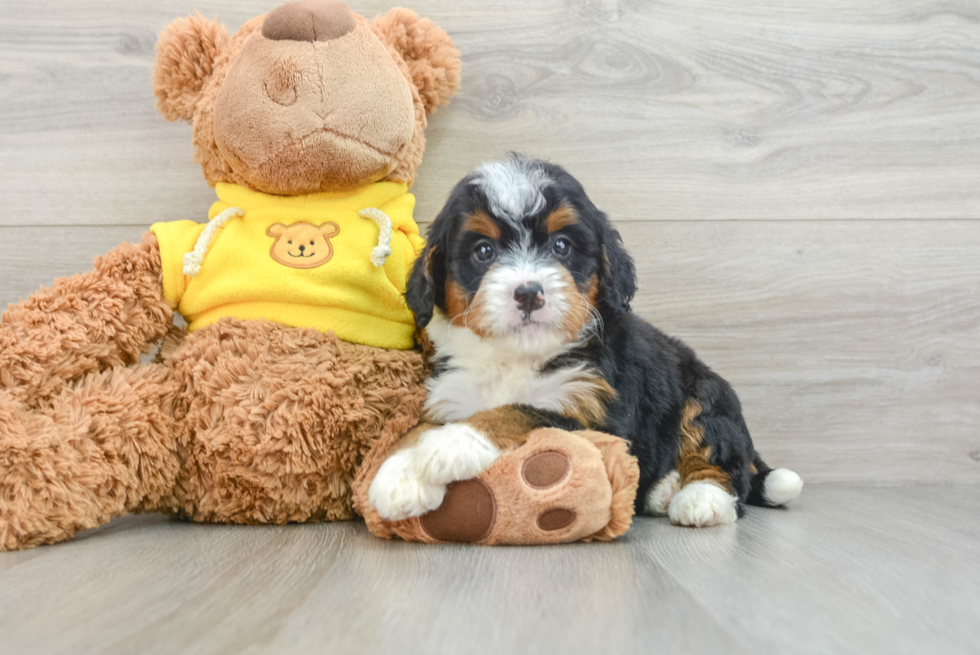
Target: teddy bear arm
x,y
94,321
624,477
548,486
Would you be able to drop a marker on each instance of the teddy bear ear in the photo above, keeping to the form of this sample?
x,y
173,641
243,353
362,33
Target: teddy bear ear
x,y
186,52
432,59
276,230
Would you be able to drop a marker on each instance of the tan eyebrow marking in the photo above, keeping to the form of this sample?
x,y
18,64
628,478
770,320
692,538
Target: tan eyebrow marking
x,y
480,223
561,217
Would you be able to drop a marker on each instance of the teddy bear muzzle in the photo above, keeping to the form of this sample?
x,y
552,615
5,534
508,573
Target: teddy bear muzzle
x,y
308,20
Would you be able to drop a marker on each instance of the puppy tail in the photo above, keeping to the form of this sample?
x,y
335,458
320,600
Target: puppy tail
x,y
773,487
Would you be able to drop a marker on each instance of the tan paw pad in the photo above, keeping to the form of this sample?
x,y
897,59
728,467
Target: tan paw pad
x,y
467,513
556,519
544,470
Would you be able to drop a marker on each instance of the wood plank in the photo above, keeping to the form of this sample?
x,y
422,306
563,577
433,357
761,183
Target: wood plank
x,y
837,572
31,257
855,346
769,109
334,588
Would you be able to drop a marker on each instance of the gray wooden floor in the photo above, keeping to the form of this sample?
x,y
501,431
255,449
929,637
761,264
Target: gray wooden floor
x,y
846,570
798,181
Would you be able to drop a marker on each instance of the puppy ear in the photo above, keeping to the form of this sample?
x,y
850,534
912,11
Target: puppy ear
x,y
186,52
275,230
432,59
617,273
420,291
328,230
426,288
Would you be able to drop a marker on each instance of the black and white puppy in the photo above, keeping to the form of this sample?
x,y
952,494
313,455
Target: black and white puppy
x,y
524,291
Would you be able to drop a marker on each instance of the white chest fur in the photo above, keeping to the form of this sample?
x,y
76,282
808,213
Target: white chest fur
x,y
483,375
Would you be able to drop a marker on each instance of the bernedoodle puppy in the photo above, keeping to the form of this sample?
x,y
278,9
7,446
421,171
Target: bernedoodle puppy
x,y
524,292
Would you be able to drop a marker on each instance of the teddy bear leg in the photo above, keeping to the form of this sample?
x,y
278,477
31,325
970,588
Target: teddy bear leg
x,y
99,448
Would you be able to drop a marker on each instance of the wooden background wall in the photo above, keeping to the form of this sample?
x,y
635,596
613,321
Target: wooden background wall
x,y
799,181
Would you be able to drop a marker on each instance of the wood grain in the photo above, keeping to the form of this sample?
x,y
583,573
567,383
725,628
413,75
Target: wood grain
x,y
666,110
853,345
844,570
797,181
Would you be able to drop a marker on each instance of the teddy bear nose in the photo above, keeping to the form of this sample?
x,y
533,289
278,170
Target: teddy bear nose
x,y
308,20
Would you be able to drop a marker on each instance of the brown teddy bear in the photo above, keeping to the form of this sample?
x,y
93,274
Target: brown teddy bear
x,y
299,354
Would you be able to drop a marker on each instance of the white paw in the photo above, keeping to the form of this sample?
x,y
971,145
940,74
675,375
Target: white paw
x,y
658,498
413,481
398,493
453,452
702,504
782,486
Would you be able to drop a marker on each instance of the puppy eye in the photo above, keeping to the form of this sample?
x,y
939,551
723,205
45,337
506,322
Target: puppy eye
x,y
484,253
312,243
290,242
562,247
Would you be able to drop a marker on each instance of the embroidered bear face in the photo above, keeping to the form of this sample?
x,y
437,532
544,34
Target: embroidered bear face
x,y
302,245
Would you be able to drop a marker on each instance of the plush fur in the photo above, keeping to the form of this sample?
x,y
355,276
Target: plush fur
x,y
241,421
524,291
384,76
583,491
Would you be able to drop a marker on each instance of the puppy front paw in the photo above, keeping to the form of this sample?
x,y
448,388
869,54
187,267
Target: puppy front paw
x,y
413,481
398,493
453,452
702,504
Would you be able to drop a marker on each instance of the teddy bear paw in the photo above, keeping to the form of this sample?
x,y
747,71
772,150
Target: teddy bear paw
x,y
532,508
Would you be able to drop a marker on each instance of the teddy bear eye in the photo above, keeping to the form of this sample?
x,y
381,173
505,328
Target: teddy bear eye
x,y
290,242
312,243
283,83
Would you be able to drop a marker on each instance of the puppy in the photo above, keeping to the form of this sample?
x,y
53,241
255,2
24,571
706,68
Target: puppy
x,y
524,292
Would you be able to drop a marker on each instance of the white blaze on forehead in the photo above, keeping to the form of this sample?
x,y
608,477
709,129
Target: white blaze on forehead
x,y
513,186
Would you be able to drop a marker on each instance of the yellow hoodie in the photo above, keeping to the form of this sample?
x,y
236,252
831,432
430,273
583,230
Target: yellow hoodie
x,y
305,261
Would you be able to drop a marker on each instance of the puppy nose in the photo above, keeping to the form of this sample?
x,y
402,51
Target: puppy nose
x,y
529,297
308,20
302,248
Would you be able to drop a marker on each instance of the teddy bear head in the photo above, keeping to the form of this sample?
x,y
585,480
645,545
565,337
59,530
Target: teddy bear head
x,y
309,97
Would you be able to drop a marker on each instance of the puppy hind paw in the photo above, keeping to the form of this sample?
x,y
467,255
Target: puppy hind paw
x,y
658,498
702,504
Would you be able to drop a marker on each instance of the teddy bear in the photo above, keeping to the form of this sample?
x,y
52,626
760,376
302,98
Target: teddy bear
x,y
298,368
